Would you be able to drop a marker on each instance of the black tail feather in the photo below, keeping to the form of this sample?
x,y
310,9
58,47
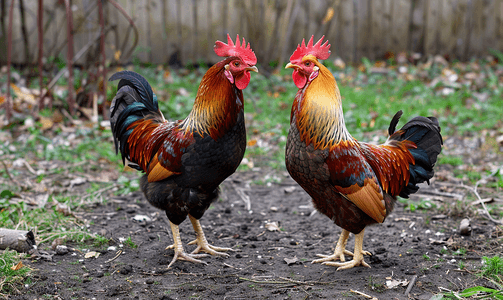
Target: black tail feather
x,y
134,101
425,133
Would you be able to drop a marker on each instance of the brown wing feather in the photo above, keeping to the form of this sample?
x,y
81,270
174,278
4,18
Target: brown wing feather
x,y
368,198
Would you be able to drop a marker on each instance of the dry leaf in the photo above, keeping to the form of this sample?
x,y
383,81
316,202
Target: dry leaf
x,y
272,226
328,16
394,283
117,55
77,181
46,122
339,63
17,267
252,142
64,209
183,92
291,261
92,254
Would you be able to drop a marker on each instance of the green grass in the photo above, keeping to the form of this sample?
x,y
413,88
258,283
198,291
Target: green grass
x,y
450,160
477,292
129,242
48,223
493,268
12,280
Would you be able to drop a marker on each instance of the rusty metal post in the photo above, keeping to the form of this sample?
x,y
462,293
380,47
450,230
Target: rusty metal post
x,y
69,59
8,102
40,25
104,106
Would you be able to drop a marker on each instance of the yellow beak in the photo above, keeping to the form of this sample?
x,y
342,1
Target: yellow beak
x,y
290,65
254,69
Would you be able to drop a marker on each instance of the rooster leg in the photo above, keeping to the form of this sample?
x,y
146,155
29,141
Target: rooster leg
x,y
357,257
340,250
202,243
178,247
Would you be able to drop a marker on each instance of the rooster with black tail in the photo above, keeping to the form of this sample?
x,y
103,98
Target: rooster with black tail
x,y
186,160
353,183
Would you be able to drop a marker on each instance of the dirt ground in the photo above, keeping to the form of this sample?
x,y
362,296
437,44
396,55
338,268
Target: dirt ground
x,y
266,264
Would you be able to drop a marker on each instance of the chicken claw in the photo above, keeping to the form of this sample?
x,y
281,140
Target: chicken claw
x,y
202,243
340,251
179,251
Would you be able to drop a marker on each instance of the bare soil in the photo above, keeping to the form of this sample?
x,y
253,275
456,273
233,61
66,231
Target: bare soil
x,y
265,264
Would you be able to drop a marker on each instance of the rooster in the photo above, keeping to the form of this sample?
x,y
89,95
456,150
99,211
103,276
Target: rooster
x,y
353,183
186,160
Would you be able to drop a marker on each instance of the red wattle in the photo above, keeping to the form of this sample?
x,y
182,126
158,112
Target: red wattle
x,y
299,79
243,80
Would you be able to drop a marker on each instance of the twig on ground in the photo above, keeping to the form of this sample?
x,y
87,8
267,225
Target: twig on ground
x,y
244,197
362,294
115,257
8,173
411,285
476,193
100,191
263,281
311,282
27,165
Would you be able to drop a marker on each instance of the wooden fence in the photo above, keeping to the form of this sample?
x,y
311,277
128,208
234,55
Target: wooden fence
x,y
185,30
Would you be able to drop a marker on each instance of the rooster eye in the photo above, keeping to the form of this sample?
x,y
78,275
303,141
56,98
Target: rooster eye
x,y
236,64
307,63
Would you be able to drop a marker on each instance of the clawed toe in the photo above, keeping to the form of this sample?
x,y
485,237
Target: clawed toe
x,y
347,265
187,257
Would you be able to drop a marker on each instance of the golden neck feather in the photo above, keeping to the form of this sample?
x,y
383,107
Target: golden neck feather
x,y
216,105
320,118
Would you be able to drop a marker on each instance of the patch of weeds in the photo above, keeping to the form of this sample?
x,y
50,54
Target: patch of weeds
x,y
346,295
412,206
128,242
22,217
426,257
460,251
450,160
477,292
374,285
493,268
127,185
12,280
100,241
461,265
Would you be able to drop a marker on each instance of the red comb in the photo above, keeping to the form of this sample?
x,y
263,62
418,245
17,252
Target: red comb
x,y
321,51
230,49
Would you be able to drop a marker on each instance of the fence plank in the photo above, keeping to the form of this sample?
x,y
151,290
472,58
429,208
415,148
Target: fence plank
x,y
499,25
400,17
489,18
446,32
478,26
416,36
362,28
380,27
346,27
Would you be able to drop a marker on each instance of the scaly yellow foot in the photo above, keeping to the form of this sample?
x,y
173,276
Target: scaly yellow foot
x,y
357,256
340,250
178,247
202,243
